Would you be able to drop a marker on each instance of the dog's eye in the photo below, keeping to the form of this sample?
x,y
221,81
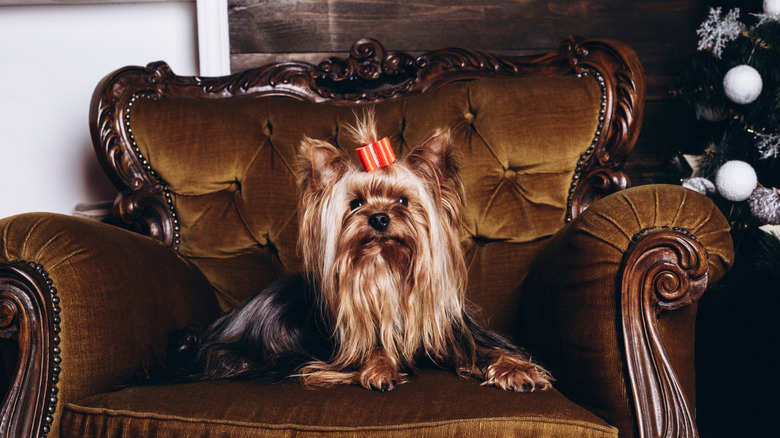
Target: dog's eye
x,y
355,203
403,201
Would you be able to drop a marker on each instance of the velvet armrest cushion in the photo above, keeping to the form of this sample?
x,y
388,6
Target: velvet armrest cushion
x,y
571,312
118,295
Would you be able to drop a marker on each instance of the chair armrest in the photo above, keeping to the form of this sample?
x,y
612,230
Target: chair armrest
x,y
610,305
82,304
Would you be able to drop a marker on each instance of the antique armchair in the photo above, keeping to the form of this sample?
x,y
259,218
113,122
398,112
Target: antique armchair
x,y
598,280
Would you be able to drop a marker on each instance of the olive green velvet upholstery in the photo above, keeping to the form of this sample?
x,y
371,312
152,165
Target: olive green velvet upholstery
x,y
436,403
120,294
233,184
570,300
229,169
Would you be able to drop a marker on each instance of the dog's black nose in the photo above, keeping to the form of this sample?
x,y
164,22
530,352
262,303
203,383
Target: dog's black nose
x,y
379,221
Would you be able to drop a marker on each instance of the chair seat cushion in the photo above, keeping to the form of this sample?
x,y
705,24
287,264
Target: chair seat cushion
x,y
434,403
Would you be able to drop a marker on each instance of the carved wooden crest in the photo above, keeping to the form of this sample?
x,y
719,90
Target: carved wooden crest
x,y
369,74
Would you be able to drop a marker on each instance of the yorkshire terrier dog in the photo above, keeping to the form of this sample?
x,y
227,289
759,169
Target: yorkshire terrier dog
x,y
384,282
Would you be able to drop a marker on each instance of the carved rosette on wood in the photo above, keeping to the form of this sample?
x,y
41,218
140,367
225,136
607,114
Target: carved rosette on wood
x,y
29,317
368,74
664,270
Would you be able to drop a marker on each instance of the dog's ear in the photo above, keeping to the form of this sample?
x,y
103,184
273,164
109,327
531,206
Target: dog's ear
x,y
320,163
434,158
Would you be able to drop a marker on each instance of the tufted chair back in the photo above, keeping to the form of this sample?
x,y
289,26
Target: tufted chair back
x,y
208,166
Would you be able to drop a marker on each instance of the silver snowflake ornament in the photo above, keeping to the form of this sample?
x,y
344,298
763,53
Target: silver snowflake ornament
x,y
716,32
768,145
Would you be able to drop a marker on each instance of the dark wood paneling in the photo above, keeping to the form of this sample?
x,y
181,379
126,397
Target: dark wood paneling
x,y
665,132
314,25
662,33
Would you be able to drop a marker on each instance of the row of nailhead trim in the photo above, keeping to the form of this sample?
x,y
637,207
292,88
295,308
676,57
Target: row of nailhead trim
x,y
57,359
588,152
148,167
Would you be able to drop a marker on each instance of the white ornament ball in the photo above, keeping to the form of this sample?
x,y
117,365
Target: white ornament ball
x,y
699,184
772,7
742,84
736,180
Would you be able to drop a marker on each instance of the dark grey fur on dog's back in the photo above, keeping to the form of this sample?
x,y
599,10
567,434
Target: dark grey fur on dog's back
x,y
266,338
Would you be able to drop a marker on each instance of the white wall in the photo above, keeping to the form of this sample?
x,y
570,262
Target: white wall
x,y
51,59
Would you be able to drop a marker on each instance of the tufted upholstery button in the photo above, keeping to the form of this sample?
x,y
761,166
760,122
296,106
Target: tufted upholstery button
x,y
469,117
267,129
510,174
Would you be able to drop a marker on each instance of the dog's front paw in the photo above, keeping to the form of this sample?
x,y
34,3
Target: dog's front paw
x,y
381,373
379,381
513,374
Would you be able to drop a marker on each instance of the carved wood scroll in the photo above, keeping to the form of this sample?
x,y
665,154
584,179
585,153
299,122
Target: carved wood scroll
x,y
368,74
28,317
664,270
623,104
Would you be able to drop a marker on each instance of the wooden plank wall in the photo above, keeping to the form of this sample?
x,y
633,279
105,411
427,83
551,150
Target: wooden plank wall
x,y
662,33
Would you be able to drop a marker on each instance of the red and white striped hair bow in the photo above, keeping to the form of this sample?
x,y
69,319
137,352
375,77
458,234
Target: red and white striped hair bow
x,y
376,155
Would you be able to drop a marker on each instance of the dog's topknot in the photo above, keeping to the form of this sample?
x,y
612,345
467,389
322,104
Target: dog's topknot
x,y
364,130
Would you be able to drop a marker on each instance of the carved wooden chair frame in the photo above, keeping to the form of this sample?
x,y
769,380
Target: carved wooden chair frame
x,y
664,269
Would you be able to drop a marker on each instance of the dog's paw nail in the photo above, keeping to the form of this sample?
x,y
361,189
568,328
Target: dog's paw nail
x,y
382,386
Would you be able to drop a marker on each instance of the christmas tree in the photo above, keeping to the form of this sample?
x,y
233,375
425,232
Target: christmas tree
x,y
732,85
